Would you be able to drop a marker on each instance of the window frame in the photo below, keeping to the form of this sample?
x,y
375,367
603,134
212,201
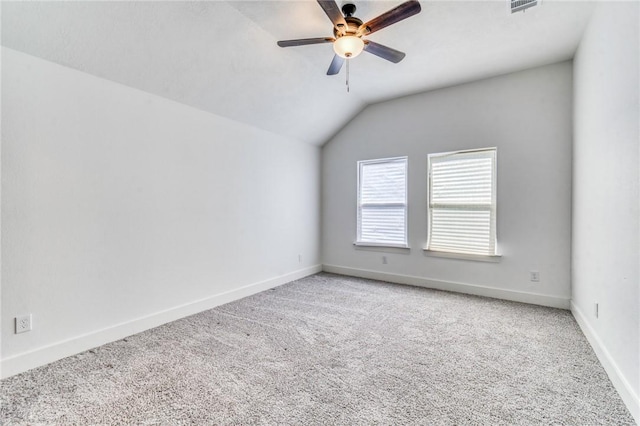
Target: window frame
x,y
492,208
359,205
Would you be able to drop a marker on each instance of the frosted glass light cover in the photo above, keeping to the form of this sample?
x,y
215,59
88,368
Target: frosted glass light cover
x,y
348,46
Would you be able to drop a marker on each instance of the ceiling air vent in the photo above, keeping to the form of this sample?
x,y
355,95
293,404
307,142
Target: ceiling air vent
x,y
518,5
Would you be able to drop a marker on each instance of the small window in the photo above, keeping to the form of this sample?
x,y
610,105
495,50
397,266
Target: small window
x,y
382,202
462,202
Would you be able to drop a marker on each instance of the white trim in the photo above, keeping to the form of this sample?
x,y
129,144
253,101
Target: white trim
x,y
462,151
478,290
629,397
368,244
27,360
463,256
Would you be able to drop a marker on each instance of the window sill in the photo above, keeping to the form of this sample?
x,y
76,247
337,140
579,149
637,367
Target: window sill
x,y
463,256
380,245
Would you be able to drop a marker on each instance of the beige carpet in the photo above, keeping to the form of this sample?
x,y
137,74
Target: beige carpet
x,y
329,349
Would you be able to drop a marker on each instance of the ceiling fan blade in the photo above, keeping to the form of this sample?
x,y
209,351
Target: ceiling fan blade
x,y
305,41
392,16
333,12
335,66
384,52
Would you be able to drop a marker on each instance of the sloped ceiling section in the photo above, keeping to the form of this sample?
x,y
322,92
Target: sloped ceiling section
x,y
222,57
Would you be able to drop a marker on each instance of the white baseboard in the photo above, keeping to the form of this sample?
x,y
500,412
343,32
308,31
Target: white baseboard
x,y
630,398
478,290
44,355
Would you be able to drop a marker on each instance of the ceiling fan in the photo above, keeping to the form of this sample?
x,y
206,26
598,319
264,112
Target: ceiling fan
x,y
348,32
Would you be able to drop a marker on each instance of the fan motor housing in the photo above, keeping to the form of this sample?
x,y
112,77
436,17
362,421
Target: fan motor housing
x,y
353,24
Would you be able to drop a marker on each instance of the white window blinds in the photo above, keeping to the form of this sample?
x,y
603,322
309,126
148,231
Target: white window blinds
x,y
462,202
382,202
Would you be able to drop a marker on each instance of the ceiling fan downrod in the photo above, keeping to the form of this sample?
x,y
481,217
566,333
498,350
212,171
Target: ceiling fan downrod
x,y
348,10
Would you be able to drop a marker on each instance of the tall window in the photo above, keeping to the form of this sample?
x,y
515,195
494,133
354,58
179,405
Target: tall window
x,y
462,202
382,202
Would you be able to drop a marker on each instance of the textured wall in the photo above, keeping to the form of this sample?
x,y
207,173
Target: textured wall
x,y
118,204
606,228
527,116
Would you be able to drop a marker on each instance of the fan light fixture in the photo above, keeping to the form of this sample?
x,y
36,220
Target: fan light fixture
x,y
348,46
348,32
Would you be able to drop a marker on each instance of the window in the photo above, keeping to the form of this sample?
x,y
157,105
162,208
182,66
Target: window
x,y
462,202
382,202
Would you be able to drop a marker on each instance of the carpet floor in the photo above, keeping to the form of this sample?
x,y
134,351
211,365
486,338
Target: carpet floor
x,y
329,349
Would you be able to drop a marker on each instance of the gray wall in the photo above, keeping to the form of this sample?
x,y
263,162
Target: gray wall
x,y
527,116
122,210
606,215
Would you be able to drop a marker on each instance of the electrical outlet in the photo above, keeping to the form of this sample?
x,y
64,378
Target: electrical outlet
x,y
23,324
299,258
534,276
596,309
384,260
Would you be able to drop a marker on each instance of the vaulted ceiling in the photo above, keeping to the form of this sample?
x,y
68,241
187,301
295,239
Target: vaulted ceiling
x,y
222,57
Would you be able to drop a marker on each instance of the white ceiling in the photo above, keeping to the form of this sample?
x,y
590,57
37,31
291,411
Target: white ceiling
x,y
222,57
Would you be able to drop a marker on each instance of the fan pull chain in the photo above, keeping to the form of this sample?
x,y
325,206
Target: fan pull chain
x,y
347,75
